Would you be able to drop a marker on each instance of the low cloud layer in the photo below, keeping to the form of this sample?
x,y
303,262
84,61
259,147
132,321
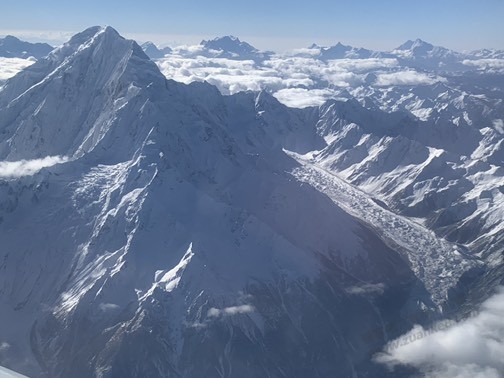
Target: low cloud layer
x,y
230,76
13,169
302,98
296,80
11,66
408,77
467,349
486,64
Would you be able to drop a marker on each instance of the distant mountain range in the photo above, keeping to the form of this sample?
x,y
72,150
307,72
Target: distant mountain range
x,y
12,47
415,54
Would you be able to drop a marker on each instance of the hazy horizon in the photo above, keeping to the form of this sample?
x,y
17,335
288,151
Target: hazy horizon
x,y
278,26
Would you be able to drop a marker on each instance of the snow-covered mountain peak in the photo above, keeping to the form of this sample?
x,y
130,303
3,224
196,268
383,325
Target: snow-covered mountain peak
x,y
226,38
97,66
97,51
341,51
229,43
153,51
148,45
421,49
338,47
424,55
231,47
416,44
85,39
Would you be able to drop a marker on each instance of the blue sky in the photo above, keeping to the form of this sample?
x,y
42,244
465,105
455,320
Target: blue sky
x,y
268,24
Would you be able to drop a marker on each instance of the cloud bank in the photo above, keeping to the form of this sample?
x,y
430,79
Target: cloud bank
x,y
302,98
486,64
14,169
229,76
408,77
11,66
297,81
470,348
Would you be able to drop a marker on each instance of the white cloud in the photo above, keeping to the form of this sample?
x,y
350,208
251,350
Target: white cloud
x,y
366,289
188,50
229,311
309,69
229,76
305,51
297,81
408,77
11,66
485,64
302,98
280,72
21,168
105,307
363,65
470,348
341,78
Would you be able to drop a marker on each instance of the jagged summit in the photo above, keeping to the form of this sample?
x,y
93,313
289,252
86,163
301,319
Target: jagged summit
x,y
229,43
341,51
86,39
416,44
337,51
424,55
232,47
85,76
421,49
89,36
153,51
95,46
